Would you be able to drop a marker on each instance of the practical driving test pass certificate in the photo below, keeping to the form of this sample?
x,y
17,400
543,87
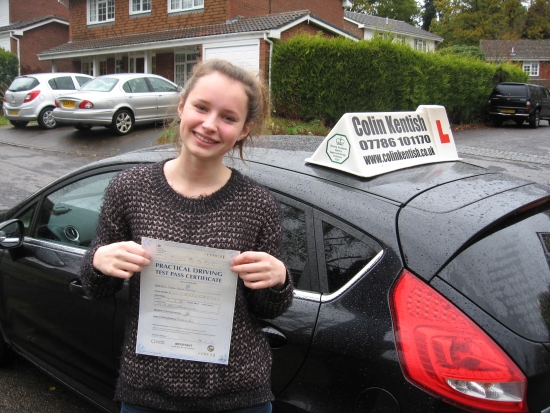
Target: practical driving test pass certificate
x,y
187,302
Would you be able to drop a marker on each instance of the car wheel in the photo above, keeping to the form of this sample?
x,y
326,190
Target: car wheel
x,y
497,121
19,123
45,119
83,127
123,122
535,122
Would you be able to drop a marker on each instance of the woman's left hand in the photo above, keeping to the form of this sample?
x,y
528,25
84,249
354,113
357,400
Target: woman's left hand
x,y
259,270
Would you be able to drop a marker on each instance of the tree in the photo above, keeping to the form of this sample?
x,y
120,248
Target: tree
x,y
473,52
537,22
405,10
9,64
428,14
466,22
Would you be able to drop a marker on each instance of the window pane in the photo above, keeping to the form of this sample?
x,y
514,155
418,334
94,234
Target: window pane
x,y
69,215
295,254
26,217
345,255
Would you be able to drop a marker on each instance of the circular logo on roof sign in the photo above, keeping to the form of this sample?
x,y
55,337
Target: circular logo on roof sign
x,y
338,148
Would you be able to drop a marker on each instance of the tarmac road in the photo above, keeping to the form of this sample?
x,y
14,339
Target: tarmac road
x,y
31,158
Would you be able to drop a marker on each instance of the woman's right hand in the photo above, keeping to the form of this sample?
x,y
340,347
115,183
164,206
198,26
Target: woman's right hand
x,y
121,259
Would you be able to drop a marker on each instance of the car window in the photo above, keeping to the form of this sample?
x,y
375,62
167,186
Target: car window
x,y
295,253
62,83
510,90
26,217
82,80
347,252
22,84
103,84
69,215
161,85
138,85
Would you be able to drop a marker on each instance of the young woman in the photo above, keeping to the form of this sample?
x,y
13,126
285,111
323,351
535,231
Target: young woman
x,y
196,199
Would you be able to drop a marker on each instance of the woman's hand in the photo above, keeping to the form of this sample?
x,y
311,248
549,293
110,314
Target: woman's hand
x,y
259,270
121,259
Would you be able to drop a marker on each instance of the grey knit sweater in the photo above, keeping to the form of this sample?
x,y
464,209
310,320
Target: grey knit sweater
x,y
240,216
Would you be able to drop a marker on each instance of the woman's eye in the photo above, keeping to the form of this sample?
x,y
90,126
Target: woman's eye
x,y
200,108
229,119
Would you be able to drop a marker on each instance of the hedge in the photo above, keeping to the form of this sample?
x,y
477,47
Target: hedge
x,y
315,77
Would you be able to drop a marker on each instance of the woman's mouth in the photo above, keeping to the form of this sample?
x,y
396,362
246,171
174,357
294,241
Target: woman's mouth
x,y
204,139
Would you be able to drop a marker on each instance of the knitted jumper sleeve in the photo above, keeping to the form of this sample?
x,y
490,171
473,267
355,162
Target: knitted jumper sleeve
x,y
111,228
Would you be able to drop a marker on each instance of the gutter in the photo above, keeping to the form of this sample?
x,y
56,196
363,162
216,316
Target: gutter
x,y
270,57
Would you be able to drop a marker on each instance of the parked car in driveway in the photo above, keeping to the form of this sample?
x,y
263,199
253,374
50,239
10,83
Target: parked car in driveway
x,y
119,101
425,289
520,102
31,97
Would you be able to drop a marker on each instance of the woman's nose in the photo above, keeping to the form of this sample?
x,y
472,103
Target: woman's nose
x,y
209,122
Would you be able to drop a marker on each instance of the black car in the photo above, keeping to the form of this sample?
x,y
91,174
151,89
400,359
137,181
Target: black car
x,y
425,289
519,102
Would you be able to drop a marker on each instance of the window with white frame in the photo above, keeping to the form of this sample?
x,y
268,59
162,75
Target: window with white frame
x,y
531,67
184,63
101,11
420,44
140,6
87,68
184,5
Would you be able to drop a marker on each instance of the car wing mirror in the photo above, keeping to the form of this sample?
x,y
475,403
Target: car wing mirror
x,y
12,233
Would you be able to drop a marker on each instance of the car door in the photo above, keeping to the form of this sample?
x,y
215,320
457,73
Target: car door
x,y
545,103
141,99
46,315
290,334
167,97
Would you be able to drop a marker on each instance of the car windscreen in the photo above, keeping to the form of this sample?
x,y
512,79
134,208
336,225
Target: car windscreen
x,y
23,84
507,274
510,90
105,84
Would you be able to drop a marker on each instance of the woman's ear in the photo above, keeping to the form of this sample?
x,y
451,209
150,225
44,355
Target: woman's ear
x,y
180,107
246,130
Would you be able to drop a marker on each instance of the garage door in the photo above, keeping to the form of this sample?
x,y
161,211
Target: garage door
x,y
247,56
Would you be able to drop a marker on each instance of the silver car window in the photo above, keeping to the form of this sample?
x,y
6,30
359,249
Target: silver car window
x,y
62,83
103,84
138,85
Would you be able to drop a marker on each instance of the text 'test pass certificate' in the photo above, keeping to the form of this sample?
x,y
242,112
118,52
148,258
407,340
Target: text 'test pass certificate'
x,y
187,302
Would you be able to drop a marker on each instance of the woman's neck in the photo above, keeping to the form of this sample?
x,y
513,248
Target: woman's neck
x,y
194,179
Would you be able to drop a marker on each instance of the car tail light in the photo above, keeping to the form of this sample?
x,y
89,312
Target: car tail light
x,y
528,104
31,95
56,103
444,352
86,104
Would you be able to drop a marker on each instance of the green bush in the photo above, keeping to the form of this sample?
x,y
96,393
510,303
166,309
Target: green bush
x,y
9,65
315,77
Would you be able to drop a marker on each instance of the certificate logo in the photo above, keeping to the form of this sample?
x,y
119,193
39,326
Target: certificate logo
x,y
210,348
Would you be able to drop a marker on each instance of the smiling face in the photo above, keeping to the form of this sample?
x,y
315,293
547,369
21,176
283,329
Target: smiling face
x,y
213,117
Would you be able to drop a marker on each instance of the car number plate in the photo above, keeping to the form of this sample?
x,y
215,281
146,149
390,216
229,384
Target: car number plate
x,y
68,104
508,111
13,112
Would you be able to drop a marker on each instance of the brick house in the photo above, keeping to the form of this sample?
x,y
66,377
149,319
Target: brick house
x,y
27,30
532,55
367,27
168,37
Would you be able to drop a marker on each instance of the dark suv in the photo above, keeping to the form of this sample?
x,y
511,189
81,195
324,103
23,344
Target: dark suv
x,y
519,102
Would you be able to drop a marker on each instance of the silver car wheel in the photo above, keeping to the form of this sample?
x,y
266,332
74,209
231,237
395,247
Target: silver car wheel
x,y
123,122
46,119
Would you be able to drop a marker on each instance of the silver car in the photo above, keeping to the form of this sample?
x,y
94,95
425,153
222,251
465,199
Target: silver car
x,y
119,101
32,97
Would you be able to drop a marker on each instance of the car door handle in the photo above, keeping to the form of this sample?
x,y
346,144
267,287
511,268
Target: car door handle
x,y
275,338
75,286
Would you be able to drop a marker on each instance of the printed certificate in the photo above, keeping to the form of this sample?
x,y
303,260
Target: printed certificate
x,y
187,302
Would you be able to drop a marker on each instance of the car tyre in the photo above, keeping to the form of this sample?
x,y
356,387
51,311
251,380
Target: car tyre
x,y
535,121
83,128
497,121
123,122
46,119
19,123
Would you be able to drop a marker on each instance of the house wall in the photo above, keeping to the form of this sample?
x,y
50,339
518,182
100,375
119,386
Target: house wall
x,y
37,40
21,10
215,11
353,29
159,19
544,75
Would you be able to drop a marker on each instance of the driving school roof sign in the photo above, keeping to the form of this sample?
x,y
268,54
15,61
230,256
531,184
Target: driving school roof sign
x,y
369,144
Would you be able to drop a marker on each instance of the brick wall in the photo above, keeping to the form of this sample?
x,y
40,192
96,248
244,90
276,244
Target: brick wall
x,y
353,29
544,74
21,10
165,65
37,40
158,19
